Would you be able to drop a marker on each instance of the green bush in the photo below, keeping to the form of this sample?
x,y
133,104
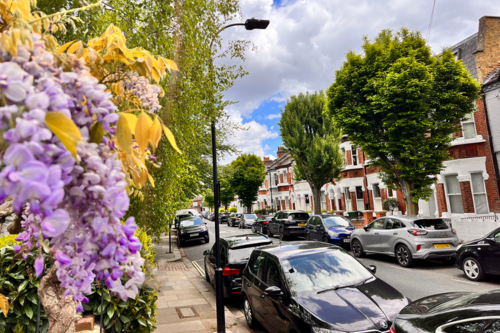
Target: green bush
x,y
309,211
232,209
323,210
20,285
221,210
390,204
258,211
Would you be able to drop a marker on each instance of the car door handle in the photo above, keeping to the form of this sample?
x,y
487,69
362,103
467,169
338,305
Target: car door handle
x,y
394,233
249,284
376,233
262,296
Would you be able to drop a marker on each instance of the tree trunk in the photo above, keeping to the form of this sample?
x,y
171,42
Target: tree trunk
x,y
411,206
249,209
60,310
16,228
316,199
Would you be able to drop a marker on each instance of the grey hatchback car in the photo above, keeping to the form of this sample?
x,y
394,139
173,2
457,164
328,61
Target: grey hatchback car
x,y
407,238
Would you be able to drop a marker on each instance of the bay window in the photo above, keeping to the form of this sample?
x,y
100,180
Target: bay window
x,y
454,194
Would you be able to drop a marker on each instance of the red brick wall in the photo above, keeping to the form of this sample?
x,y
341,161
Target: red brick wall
x,y
402,204
361,157
348,157
383,194
467,200
354,205
372,203
281,178
328,205
289,178
343,202
441,199
290,203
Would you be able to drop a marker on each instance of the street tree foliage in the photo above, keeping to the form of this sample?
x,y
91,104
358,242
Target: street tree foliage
x,y
181,31
401,104
248,173
313,141
208,199
226,190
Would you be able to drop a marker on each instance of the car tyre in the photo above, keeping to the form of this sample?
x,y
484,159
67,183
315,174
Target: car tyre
x,y
269,234
253,229
404,257
325,239
247,309
282,235
207,239
472,269
357,249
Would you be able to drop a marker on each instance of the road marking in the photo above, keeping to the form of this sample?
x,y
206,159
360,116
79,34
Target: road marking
x,y
198,268
466,282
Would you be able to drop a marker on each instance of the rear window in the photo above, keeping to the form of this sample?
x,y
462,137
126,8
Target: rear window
x,y
226,214
243,253
298,216
432,224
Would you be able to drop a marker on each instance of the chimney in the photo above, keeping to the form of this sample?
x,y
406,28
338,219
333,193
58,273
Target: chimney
x,y
488,45
280,152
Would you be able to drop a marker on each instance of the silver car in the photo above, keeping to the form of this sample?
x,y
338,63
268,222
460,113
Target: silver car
x,y
247,220
407,238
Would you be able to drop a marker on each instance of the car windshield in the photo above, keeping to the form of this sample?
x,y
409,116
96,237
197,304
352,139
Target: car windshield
x,y
431,224
226,214
242,254
183,217
321,271
191,222
337,221
298,216
250,216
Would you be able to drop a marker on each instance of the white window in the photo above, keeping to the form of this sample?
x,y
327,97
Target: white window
x,y
323,200
287,204
275,179
479,193
284,177
454,194
354,155
343,155
468,126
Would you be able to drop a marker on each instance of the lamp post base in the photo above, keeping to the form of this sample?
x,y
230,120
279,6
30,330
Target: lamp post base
x,y
221,321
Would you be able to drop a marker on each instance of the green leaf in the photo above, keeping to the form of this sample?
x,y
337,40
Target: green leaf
x,y
96,133
28,311
23,285
65,129
118,326
124,319
142,322
111,310
122,304
33,298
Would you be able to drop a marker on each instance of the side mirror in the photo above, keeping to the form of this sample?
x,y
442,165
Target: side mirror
x,y
366,228
273,291
372,268
206,252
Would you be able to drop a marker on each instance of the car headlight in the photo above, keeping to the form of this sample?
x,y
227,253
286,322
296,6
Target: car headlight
x,y
204,228
316,329
332,233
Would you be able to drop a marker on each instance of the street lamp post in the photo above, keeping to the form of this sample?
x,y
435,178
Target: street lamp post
x,y
270,190
249,24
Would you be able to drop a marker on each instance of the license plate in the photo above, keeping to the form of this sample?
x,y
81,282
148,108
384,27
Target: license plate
x,y
193,235
347,240
301,224
442,246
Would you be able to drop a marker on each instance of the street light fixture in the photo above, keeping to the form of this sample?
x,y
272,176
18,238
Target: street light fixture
x,y
249,24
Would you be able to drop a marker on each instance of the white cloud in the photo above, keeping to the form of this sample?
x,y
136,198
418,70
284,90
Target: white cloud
x,y
273,116
250,140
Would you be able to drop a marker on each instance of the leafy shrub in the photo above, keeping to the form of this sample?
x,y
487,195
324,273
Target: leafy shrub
x,y
323,210
221,210
258,211
390,204
20,285
232,209
309,211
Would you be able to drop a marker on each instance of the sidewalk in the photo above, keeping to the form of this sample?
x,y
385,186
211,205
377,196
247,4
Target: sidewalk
x,y
186,302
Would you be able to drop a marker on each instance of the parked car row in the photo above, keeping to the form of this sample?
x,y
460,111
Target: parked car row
x,y
311,286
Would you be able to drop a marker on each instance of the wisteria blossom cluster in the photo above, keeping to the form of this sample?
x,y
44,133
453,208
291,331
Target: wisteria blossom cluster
x,y
140,87
76,205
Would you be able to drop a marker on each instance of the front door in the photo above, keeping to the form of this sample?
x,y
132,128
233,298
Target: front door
x,y
371,236
491,255
275,313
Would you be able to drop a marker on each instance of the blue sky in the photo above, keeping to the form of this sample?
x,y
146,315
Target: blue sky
x,y
306,42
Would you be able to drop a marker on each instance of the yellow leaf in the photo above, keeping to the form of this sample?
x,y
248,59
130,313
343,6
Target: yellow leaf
x,y
142,131
73,48
151,180
132,120
96,133
4,305
123,134
155,133
62,48
171,138
172,65
65,129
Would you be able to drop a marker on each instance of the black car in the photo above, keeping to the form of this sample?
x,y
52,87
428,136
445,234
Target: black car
x,y
260,226
235,251
333,229
192,229
224,217
458,312
286,224
234,219
316,287
247,220
480,257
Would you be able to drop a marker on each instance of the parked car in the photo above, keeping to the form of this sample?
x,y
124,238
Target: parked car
x,y
407,238
235,252
309,286
234,219
191,211
247,220
210,216
333,229
457,312
286,224
480,257
192,229
179,218
224,217
260,226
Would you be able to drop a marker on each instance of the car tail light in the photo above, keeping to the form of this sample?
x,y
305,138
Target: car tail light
x,y
231,271
419,247
392,330
454,231
265,222
417,232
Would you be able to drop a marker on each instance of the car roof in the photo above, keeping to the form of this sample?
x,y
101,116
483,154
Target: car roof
x,y
292,211
291,249
245,240
410,218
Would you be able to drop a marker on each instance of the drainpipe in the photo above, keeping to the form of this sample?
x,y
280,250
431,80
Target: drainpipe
x,y
490,138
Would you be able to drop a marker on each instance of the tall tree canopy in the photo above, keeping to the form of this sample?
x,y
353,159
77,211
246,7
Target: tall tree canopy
x,y
401,104
226,191
248,173
313,141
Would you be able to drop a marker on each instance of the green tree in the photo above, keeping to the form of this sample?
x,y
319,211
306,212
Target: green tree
x,y
401,104
248,173
313,141
208,199
226,191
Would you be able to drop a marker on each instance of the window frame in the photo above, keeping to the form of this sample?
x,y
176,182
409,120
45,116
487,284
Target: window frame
x,y
321,197
266,271
480,193
448,202
354,155
285,180
470,121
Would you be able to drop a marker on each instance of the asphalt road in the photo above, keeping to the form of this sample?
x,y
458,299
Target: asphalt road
x,y
426,278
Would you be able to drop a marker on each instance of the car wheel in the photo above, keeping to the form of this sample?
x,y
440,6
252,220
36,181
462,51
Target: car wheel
x,y
472,269
253,230
282,235
325,239
404,257
207,239
247,308
357,249
269,234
